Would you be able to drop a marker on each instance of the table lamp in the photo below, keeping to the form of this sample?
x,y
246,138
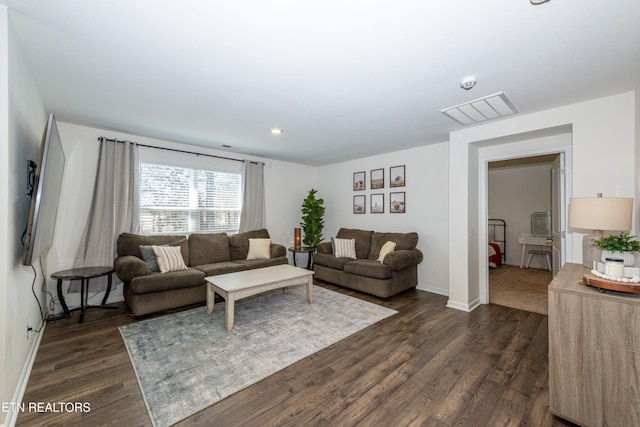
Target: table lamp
x,y
599,214
297,238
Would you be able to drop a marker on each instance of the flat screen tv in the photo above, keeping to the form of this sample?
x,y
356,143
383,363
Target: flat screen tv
x,y
46,194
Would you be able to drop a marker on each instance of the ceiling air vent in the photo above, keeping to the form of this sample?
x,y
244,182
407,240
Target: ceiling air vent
x,y
483,109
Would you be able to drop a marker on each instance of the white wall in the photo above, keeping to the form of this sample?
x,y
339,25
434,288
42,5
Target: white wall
x,y
22,119
286,185
603,156
515,192
7,386
426,204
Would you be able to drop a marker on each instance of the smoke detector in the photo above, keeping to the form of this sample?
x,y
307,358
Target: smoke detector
x,y
468,82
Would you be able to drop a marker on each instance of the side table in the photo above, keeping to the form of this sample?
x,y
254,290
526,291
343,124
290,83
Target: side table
x,y
83,274
309,250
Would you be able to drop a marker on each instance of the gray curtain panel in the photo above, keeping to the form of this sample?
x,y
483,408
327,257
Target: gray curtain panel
x,y
114,208
252,216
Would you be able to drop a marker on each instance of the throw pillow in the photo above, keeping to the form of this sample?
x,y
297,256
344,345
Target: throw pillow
x,y
387,248
169,258
259,249
149,258
344,248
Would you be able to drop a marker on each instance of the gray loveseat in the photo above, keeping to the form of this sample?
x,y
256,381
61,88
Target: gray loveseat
x,y
147,291
398,271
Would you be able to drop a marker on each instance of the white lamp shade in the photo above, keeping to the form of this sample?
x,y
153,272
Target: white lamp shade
x,y
601,213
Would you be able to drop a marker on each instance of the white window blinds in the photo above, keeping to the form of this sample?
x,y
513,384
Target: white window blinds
x,y
176,199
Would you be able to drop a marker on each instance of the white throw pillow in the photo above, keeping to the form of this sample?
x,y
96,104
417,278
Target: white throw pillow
x,y
387,248
169,258
259,249
344,248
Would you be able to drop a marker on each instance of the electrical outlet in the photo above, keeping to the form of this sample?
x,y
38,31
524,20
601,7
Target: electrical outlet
x,y
26,335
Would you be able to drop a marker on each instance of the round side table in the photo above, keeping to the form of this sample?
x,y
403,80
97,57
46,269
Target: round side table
x,y
309,250
83,274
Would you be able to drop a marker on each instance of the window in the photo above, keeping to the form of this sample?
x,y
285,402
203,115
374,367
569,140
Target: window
x,y
176,199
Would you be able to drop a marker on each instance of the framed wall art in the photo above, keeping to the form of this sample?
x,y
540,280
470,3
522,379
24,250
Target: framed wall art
x,y
377,179
359,181
377,203
397,202
359,204
396,176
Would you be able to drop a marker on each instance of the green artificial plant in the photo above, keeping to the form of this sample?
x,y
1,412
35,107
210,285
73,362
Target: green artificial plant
x,y
312,219
622,242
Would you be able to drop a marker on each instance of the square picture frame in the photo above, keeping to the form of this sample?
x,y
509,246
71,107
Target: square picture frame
x,y
359,204
397,202
376,179
397,176
359,181
377,203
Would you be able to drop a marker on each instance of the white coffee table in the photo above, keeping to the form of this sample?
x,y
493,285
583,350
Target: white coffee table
x,y
242,284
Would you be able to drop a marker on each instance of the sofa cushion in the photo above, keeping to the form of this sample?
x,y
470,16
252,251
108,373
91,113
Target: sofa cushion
x,y
169,258
208,248
157,282
344,248
239,243
328,260
129,244
259,263
402,241
259,249
220,268
368,268
363,240
386,249
149,258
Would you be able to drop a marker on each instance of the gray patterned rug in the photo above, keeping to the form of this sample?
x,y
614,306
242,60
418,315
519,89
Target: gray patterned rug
x,y
187,361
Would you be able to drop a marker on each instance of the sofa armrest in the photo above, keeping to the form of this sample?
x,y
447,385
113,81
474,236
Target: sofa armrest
x,y
278,250
128,267
404,258
325,248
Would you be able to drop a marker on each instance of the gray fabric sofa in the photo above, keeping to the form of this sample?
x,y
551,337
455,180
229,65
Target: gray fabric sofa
x,y
205,255
398,271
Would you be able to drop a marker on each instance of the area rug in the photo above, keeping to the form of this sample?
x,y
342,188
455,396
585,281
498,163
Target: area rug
x,y
187,361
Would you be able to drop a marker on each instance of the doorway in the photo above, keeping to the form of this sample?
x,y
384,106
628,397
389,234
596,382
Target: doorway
x,y
521,191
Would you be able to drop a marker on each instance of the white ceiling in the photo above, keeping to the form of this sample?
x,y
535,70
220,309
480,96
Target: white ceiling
x,y
344,79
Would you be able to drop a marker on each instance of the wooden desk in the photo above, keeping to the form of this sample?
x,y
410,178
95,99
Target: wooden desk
x,y
534,241
593,352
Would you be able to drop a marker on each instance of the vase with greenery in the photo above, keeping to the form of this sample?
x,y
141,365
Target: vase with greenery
x,y
312,219
618,246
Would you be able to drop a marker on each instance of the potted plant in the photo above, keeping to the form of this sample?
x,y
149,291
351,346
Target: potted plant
x,y
619,246
312,219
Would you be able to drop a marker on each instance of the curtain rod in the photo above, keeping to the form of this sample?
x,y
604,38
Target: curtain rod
x,y
173,149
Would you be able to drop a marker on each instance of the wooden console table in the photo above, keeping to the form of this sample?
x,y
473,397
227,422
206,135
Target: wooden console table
x,y
594,352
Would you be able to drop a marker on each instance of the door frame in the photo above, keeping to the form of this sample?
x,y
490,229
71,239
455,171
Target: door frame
x,y
483,181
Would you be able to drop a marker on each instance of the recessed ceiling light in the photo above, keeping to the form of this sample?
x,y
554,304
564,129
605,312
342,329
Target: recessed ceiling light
x,y
276,131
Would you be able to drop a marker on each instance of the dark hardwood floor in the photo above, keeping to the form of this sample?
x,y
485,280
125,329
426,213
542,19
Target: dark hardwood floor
x,y
427,365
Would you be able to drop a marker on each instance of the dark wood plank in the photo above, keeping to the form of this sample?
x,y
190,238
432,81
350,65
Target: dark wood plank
x,y
428,365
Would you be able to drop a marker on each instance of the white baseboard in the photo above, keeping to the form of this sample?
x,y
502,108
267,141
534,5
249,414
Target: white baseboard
x,y
433,290
12,416
464,307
